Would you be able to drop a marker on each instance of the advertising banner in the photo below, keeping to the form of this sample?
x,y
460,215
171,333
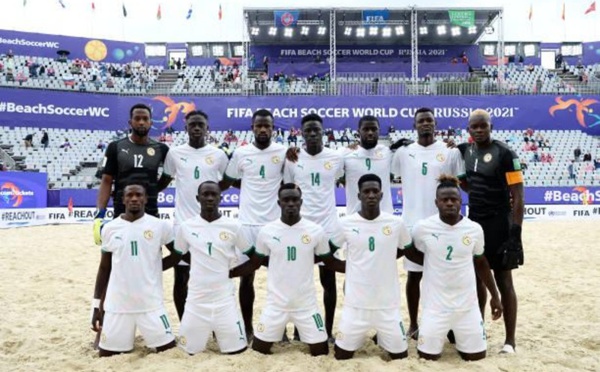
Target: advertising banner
x,y
286,18
47,45
39,108
22,199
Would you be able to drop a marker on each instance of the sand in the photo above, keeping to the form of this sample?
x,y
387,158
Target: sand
x,y
47,283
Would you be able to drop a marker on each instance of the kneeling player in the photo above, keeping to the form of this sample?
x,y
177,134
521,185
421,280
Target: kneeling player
x,y
453,252
374,240
291,245
132,260
211,306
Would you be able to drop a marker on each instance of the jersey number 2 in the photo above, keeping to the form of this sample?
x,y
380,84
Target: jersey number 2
x,y
449,255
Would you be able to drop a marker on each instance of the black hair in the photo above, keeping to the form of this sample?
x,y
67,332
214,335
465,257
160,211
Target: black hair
x,y
262,112
289,186
423,110
208,183
141,106
368,178
196,112
367,118
311,117
134,182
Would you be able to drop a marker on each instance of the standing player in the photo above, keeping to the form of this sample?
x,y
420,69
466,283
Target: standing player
x,y
453,250
191,164
258,170
211,306
135,158
419,165
316,172
132,260
372,295
369,158
291,244
494,183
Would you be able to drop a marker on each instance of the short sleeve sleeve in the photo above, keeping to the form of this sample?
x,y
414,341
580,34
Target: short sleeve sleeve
x,y
170,168
322,246
233,170
397,162
262,248
338,239
164,150
109,164
478,247
111,240
223,161
167,233
182,246
404,238
457,163
417,234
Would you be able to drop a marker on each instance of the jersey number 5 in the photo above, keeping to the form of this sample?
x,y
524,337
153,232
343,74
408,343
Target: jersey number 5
x,y
424,169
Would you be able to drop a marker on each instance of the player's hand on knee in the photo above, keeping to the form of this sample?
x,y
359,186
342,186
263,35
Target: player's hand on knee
x,y
292,154
497,309
98,224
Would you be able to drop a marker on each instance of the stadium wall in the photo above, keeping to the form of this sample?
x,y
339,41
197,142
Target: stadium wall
x,y
24,201
70,110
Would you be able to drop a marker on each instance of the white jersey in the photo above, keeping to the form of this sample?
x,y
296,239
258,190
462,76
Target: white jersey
x,y
316,176
190,167
449,282
213,252
261,172
371,269
291,251
420,167
359,162
135,284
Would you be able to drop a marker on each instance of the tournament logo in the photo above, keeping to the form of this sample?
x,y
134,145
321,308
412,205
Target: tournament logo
x,y
173,109
148,234
276,159
11,193
466,240
151,151
287,19
440,158
582,108
224,236
328,165
487,157
209,160
260,327
305,239
387,230
586,199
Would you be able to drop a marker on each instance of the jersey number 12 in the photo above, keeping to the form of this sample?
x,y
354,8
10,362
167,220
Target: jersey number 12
x,y
137,160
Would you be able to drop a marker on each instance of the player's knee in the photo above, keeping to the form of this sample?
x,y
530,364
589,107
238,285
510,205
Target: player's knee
x,y
261,346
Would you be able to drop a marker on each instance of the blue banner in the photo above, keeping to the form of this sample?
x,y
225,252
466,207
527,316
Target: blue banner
x,y
23,190
286,18
375,17
48,109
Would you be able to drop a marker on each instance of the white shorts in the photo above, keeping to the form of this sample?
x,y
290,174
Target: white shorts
x,y
223,318
467,326
411,266
118,330
309,323
355,323
250,233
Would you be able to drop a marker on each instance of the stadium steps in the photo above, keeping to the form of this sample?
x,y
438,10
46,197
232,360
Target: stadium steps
x,y
164,82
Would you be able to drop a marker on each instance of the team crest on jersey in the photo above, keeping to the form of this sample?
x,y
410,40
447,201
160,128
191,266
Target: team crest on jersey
x,y
209,160
223,236
440,157
260,327
148,234
305,239
328,165
487,158
182,341
151,151
378,154
387,230
276,159
466,240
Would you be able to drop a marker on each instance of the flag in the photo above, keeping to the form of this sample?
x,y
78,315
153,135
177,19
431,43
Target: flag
x,y
530,11
124,11
592,8
220,12
62,3
562,16
189,14
93,6
158,13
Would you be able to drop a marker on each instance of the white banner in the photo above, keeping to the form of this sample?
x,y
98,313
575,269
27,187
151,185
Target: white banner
x,y
22,217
